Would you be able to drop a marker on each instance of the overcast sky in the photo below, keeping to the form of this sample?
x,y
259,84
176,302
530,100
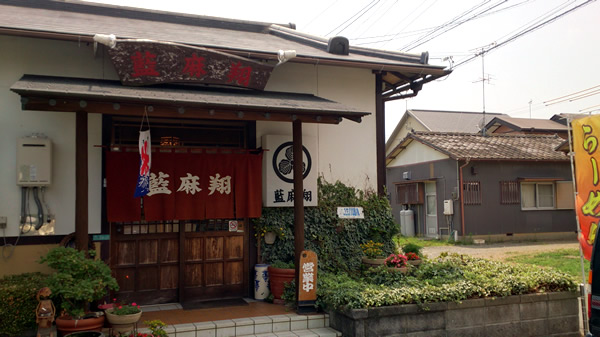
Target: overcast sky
x,y
559,59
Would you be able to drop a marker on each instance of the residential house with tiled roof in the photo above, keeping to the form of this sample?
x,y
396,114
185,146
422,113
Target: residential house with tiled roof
x,y
436,121
488,186
512,125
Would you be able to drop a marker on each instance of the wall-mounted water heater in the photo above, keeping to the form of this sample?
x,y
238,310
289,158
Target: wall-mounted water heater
x,y
34,161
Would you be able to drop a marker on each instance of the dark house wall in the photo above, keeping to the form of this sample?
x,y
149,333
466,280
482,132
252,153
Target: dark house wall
x,y
443,172
491,217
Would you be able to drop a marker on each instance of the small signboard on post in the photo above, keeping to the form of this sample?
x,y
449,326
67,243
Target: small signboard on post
x,y
350,213
307,292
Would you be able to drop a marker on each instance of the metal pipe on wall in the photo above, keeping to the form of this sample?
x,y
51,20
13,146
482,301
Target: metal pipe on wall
x,y
462,203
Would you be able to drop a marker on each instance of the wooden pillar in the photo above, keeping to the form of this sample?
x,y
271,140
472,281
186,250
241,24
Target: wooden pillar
x,y
298,198
81,180
380,134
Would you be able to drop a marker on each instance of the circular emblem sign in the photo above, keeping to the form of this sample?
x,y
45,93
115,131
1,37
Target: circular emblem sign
x,y
283,162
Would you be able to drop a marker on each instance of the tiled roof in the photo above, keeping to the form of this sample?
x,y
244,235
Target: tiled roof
x,y
84,19
528,124
497,147
452,121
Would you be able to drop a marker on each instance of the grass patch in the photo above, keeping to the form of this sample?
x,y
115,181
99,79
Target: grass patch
x,y
403,240
564,260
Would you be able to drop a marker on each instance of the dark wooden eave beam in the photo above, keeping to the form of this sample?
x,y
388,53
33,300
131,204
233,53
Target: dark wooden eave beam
x,y
174,111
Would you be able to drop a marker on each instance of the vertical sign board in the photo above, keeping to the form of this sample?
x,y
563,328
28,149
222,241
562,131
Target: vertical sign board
x,y
587,176
278,172
307,294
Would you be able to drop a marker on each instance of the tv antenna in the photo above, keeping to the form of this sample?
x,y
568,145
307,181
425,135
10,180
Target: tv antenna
x,y
483,79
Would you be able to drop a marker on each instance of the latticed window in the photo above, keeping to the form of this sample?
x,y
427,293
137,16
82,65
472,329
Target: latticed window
x,y
510,193
472,192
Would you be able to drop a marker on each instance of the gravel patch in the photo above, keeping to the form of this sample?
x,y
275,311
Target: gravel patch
x,y
501,251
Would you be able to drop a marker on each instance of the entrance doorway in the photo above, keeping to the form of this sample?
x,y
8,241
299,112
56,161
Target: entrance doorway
x,y
431,225
186,260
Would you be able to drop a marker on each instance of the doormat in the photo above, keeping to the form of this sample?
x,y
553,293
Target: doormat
x,y
233,302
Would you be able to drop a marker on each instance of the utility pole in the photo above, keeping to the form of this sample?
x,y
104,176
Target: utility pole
x,y
530,101
483,79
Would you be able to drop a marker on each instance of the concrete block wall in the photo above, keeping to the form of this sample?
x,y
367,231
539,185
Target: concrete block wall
x,y
544,314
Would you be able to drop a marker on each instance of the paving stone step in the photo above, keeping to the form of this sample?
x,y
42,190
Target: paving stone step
x,y
289,325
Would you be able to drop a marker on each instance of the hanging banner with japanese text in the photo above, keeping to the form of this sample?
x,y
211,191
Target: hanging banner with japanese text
x,y
185,186
587,157
278,185
143,185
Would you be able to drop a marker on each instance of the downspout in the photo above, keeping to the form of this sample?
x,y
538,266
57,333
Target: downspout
x,y
462,202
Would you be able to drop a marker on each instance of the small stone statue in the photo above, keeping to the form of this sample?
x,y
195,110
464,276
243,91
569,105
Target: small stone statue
x,y
44,313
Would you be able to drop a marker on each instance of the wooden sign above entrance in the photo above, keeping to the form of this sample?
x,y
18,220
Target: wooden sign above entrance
x,y
141,62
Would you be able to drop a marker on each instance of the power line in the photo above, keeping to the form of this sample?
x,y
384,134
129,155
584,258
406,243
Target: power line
x,y
353,21
416,43
318,15
408,24
355,14
571,94
524,32
378,20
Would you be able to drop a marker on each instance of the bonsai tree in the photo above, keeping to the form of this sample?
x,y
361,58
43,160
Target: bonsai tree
x,y
78,280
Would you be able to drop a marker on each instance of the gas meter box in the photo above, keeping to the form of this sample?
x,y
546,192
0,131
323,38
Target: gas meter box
x,y
448,207
34,161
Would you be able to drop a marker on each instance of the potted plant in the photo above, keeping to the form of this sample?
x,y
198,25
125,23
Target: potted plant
x,y
123,317
76,282
280,273
373,252
413,252
398,262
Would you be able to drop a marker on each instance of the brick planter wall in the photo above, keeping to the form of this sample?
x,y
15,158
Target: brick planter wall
x,y
548,314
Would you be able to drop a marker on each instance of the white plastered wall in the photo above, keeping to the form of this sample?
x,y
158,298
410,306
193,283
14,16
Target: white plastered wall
x,y
409,124
21,56
416,153
346,151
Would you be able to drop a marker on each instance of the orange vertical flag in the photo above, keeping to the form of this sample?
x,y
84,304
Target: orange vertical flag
x,y
586,132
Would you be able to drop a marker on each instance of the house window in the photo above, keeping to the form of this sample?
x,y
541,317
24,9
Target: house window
x,y
538,195
510,193
472,192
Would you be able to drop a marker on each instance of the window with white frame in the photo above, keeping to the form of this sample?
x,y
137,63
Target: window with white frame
x,y
538,195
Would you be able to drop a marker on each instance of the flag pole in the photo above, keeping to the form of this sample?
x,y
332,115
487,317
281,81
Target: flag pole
x,y
585,288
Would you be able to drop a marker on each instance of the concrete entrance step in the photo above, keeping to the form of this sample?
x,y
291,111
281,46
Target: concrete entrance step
x,y
288,325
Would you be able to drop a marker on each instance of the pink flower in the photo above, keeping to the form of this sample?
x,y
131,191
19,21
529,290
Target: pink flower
x,y
120,307
133,304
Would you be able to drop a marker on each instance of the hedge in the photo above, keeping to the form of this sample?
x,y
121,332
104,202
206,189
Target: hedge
x,y
450,278
18,302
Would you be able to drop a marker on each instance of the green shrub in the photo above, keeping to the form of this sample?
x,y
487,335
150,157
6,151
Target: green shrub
x,y
336,241
412,248
283,265
449,278
77,280
18,302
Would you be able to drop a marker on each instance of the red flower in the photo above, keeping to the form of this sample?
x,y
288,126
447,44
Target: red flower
x,y
133,304
120,307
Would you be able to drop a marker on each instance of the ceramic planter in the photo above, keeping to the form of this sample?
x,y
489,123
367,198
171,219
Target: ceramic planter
x,y
67,325
415,262
270,237
122,324
277,279
375,262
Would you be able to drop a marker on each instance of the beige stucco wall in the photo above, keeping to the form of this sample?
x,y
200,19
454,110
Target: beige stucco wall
x,y
415,153
410,124
25,259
